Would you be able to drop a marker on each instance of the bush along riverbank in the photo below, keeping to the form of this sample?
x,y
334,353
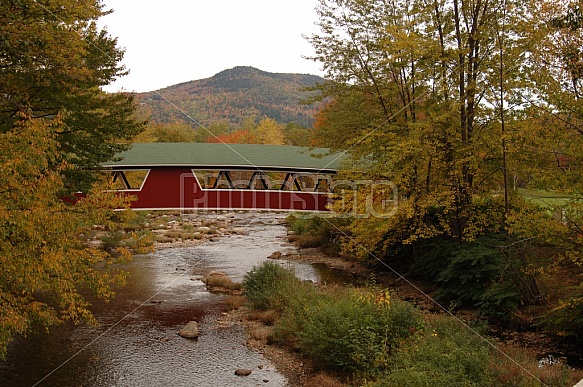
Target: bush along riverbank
x,y
367,336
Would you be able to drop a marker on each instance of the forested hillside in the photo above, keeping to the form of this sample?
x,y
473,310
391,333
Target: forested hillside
x,y
233,95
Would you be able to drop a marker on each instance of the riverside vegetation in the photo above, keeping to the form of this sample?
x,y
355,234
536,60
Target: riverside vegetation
x,y
363,335
366,336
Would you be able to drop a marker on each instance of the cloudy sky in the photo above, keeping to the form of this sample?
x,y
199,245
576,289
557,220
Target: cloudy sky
x,y
174,41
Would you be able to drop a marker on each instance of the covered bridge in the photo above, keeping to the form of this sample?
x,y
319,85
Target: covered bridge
x,y
187,176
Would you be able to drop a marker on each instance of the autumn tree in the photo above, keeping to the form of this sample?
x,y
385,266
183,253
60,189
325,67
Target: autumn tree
x,y
413,85
270,131
45,262
556,117
266,131
432,95
56,127
173,132
297,135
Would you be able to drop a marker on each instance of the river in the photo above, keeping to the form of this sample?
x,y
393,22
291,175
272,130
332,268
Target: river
x,y
136,341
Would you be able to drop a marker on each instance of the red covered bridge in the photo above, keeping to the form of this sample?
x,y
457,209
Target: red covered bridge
x,y
188,176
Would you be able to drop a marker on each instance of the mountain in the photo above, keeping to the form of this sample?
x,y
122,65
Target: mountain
x,y
232,96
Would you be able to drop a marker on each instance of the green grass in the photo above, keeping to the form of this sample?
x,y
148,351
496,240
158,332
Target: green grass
x,y
544,198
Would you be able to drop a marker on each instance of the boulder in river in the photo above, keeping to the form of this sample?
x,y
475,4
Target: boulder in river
x,y
208,279
190,330
242,372
240,231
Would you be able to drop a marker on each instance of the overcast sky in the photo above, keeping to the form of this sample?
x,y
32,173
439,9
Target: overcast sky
x,y
174,41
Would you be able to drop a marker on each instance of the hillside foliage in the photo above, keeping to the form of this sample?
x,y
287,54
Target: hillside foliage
x,y
232,96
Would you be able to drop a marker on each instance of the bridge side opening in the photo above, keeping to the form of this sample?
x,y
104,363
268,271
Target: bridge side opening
x,y
260,180
128,180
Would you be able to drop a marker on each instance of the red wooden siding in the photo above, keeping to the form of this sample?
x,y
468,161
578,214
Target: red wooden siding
x,y
177,188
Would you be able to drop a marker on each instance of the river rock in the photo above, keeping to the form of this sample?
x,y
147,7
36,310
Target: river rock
x,y
242,372
240,231
190,330
212,274
215,273
276,255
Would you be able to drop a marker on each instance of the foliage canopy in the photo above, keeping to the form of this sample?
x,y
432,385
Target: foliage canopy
x,y
460,104
56,128
54,61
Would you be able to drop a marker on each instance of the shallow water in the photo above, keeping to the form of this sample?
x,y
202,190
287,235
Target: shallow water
x,y
136,343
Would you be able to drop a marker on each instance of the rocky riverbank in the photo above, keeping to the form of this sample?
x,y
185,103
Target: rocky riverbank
x,y
298,371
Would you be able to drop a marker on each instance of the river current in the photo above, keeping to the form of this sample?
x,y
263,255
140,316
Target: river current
x,y
136,342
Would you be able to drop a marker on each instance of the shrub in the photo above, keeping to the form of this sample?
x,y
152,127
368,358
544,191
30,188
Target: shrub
x,y
234,301
348,331
163,239
136,222
470,270
323,380
112,240
471,274
521,368
261,333
306,241
140,242
268,286
174,234
312,232
444,353
221,281
267,317
566,319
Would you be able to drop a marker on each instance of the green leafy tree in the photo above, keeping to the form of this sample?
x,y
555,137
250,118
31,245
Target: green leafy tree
x,y
53,62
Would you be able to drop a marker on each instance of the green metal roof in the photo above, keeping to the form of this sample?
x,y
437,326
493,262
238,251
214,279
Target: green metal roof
x,y
228,156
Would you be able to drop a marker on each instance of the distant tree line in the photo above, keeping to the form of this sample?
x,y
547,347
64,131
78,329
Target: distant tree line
x,y
252,131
